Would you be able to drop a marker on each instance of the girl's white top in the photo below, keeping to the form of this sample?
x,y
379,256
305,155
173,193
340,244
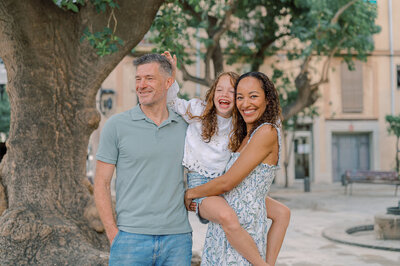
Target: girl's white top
x,y
208,159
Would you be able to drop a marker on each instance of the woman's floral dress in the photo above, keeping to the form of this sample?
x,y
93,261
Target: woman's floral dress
x,y
248,201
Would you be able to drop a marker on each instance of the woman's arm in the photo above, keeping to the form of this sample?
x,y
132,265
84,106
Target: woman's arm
x,y
258,149
280,216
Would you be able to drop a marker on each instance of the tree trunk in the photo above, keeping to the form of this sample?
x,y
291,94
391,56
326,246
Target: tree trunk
x,y
52,83
218,60
307,96
288,148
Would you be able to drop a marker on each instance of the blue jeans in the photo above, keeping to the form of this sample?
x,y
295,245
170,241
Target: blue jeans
x,y
138,249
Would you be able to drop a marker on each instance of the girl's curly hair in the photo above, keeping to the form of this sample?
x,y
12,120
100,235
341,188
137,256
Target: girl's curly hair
x,y
271,115
208,118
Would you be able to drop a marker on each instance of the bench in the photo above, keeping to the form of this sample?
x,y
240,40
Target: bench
x,y
370,177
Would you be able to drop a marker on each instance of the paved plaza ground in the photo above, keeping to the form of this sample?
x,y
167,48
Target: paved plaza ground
x,y
326,206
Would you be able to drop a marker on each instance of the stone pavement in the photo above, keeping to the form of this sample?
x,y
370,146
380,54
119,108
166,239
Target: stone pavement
x,y
324,208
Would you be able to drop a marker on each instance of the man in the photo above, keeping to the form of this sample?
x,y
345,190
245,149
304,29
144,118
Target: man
x,y
146,145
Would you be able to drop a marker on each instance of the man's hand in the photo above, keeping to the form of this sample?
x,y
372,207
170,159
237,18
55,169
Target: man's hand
x,y
188,203
172,60
111,233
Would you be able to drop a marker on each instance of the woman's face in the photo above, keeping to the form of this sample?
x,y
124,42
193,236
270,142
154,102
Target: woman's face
x,y
250,100
224,97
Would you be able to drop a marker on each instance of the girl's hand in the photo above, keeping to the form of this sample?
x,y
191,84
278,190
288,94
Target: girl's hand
x,y
193,206
172,60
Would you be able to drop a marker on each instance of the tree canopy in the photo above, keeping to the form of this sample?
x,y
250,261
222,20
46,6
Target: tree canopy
x,y
249,32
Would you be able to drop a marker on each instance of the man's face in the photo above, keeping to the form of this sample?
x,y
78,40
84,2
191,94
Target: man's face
x,y
151,84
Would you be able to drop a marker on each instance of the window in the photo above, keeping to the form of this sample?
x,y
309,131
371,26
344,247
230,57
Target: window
x,y
352,88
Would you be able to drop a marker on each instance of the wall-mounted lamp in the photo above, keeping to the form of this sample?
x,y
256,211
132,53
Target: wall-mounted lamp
x,y
107,100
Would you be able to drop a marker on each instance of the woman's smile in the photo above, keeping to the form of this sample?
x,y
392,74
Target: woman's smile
x,y
250,100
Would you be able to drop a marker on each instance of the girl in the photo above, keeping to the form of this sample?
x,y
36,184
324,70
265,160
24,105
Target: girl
x,y
256,141
206,155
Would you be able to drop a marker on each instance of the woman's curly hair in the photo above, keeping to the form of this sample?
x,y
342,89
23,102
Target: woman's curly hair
x,y
208,118
271,115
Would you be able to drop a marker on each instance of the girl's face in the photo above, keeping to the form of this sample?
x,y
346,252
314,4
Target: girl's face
x,y
224,97
250,100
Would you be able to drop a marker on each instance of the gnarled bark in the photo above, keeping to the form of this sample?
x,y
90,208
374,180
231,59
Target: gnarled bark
x,y
52,82
3,200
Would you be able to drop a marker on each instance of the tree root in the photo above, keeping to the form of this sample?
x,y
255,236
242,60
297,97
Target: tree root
x,y
29,237
92,215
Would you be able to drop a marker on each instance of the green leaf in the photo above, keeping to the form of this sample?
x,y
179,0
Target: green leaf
x,y
73,7
107,31
103,7
113,47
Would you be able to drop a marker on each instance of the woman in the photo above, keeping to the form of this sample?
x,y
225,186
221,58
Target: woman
x,y
256,138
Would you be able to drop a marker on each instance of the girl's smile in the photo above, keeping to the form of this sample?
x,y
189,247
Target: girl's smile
x,y
224,97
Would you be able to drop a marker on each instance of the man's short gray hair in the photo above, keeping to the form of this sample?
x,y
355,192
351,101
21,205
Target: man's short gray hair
x,y
165,65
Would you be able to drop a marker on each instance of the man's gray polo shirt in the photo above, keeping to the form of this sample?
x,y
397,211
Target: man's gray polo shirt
x,y
149,183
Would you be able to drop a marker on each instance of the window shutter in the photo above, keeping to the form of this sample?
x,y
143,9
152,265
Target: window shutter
x,y
352,88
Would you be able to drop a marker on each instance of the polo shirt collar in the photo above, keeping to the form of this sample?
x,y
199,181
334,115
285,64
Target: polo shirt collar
x,y
172,115
137,114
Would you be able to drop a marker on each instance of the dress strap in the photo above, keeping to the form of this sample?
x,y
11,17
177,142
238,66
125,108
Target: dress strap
x,y
278,130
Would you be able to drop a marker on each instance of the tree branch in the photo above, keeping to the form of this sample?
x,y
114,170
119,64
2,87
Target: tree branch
x,y
307,92
258,57
341,10
325,68
214,32
187,76
127,13
305,65
216,36
189,8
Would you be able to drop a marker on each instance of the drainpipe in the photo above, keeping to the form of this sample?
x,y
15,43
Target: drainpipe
x,y
391,58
